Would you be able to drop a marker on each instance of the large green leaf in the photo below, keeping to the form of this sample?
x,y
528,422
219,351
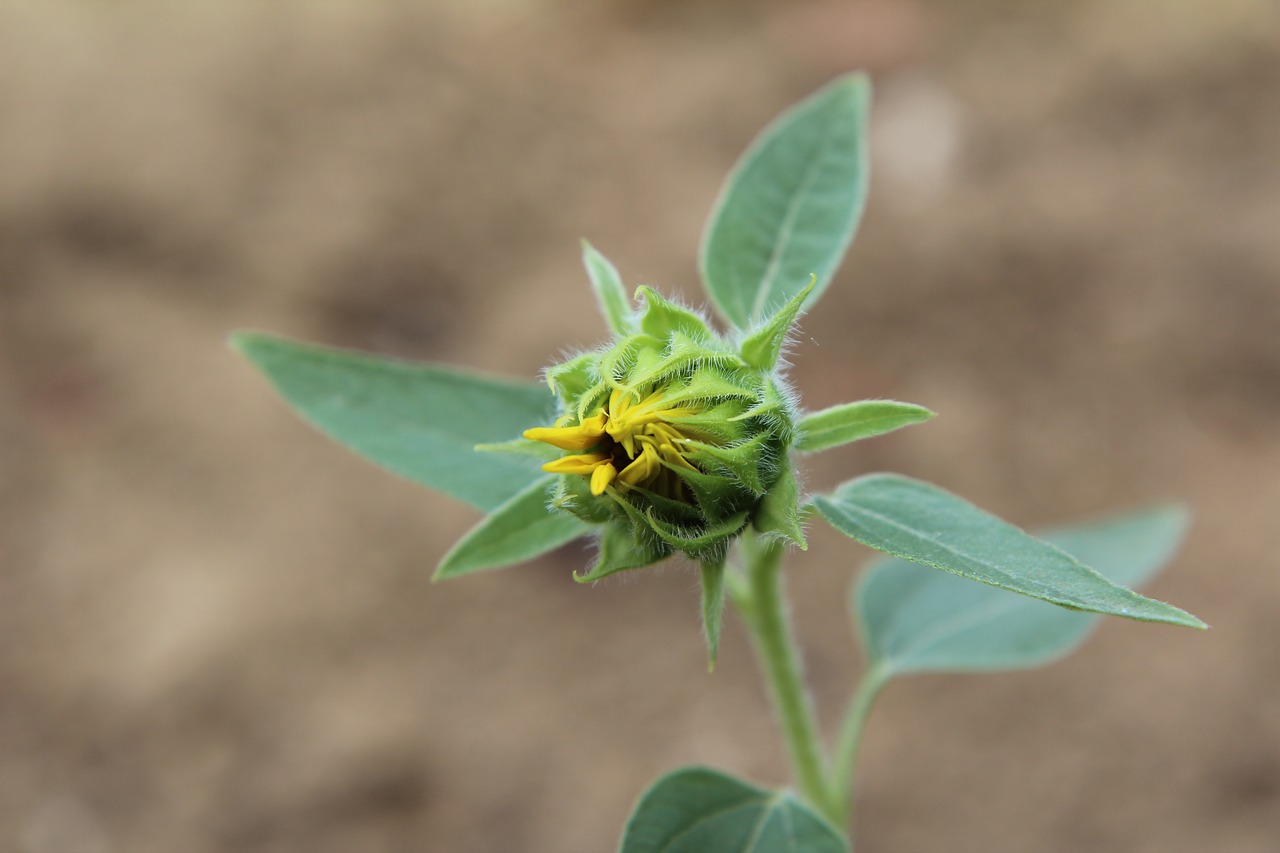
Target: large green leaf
x,y
854,422
518,530
790,206
924,524
916,619
698,810
421,421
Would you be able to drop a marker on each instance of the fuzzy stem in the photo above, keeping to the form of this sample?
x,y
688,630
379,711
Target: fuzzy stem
x,y
760,600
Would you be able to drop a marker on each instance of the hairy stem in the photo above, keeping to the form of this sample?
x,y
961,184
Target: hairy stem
x,y
760,600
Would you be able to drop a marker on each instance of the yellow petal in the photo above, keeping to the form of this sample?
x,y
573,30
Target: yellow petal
x,y
584,464
601,478
642,469
580,437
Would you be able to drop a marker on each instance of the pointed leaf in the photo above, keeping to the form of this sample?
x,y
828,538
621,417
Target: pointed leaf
x,y
856,421
790,206
698,810
421,421
922,523
915,619
610,291
712,607
522,447
520,529
763,347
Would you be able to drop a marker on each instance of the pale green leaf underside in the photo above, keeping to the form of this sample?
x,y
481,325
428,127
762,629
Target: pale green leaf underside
x,y
856,421
518,530
924,524
790,206
916,619
698,810
421,421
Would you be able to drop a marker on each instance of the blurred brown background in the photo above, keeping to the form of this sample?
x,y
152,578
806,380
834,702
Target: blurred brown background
x,y
216,628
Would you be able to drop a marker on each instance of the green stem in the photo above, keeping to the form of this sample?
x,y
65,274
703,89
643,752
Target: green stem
x,y
846,759
763,607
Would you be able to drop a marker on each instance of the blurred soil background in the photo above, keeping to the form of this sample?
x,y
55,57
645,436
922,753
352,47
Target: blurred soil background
x,y
217,631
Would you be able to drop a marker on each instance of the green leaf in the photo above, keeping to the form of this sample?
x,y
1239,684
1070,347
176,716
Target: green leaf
x,y
922,523
521,529
610,291
856,421
421,421
915,619
763,347
790,206
712,608
699,810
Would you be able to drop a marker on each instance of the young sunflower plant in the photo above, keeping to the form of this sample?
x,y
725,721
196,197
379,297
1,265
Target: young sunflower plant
x,y
674,438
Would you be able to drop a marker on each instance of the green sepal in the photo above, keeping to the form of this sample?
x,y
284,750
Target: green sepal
x,y
621,550
712,383
713,588
616,364
717,497
702,542
720,423
518,530
774,407
679,512
573,495
778,513
682,353
854,422
521,447
763,347
591,400
662,317
609,289
744,461
572,378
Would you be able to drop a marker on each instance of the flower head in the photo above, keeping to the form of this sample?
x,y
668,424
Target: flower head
x,y
674,439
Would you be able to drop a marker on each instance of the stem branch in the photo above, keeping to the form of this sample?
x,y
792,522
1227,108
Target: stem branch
x,y
844,767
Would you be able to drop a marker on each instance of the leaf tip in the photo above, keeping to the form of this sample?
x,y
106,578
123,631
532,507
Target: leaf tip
x,y
242,342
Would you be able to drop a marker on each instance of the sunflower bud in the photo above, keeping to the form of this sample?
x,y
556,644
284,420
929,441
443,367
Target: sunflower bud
x,y
674,438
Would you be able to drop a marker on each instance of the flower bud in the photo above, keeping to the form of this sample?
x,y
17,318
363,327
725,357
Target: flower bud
x,y
674,439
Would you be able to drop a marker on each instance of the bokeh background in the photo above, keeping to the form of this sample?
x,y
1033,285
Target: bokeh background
x,y
217,630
